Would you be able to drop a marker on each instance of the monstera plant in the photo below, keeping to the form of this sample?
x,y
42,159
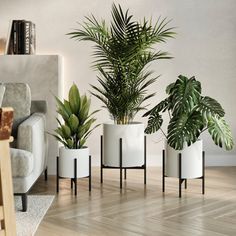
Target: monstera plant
x,y
190,114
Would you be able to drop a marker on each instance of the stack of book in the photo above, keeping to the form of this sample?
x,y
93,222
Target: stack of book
x,y
21,39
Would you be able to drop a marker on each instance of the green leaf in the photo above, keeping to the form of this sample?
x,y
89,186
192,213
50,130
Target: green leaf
x,y
184,128
67,107
209,107
185,94
74,99
154,123
122,52
66,131
162,106
73,122
84,110
70,143
220,132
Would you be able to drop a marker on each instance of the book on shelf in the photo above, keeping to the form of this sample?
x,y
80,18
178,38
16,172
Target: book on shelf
x,y
21,38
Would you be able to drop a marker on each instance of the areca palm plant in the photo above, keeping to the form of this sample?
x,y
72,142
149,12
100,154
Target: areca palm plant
x,y
122,51
190,115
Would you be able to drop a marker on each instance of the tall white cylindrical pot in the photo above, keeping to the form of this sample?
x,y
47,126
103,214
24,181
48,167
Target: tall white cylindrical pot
x,y
132,144
191,158
66,162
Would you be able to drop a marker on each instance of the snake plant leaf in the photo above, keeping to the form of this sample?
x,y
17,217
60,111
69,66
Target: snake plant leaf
x,y
85,128
73,122
59,132
70,143
74,99
209,107
154,123
67,107
84,108
82,142
66,131
185,94
61,109
58,138
184,128
220,132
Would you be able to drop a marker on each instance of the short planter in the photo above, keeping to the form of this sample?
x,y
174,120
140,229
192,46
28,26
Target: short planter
x,y
123,147
184,164
73,164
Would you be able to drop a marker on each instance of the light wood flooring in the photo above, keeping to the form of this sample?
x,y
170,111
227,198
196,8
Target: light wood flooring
x,y
139,210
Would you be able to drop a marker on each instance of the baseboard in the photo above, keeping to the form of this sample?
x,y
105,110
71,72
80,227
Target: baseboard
x,y
156,160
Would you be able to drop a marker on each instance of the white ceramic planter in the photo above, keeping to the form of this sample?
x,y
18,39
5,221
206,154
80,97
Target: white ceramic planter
x,y
132,144
66,162
191,161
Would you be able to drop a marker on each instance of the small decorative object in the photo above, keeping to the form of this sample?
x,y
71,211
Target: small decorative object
x,y
190,115
6,121
74,160
123,50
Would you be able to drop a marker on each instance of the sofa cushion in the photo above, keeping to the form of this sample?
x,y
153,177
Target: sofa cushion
x,y
17,96
22,162
2,91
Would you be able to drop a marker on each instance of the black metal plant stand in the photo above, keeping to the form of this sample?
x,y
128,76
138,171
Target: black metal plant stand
x,y
121,168
181,180
74,180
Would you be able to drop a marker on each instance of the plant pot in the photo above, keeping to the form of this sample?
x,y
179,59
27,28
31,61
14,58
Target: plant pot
x,y
132,144
191,158
66,162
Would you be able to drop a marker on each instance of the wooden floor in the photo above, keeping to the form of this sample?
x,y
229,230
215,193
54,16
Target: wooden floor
x,y
139,210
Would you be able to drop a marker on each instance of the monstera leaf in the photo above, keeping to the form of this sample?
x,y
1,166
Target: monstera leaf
x,y
220,132
185,94
184,128
209,107
162,106
154,123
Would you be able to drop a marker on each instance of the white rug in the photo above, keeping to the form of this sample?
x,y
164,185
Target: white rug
x,y
28,222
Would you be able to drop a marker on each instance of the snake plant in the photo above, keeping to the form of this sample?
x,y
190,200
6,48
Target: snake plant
x,y
122,51
76,128
190,115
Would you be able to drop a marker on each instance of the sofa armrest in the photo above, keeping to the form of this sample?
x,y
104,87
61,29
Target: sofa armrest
x,y
31,137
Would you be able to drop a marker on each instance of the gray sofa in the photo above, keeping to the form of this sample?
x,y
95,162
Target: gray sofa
x,y
29,149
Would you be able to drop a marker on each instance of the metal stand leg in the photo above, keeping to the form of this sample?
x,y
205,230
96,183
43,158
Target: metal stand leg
x,y
180,178
71,183
185,184
24,202
46,174
203,172
101,159
90,176
163,171
75,175
57,174
120,163
145,159
125,173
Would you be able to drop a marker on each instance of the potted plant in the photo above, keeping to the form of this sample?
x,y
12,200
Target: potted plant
x,y
123,50
190,114
73,133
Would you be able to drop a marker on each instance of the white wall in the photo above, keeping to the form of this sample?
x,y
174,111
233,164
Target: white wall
x,y
205,47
